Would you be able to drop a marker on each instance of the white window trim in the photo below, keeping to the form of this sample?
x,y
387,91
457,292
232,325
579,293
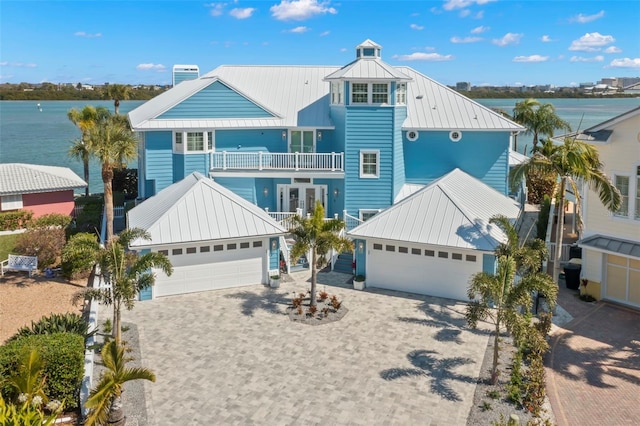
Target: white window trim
x,y
369,92
362,212
182,148
289,140
623,216
370,176
404,93
339,92
11,202
634,188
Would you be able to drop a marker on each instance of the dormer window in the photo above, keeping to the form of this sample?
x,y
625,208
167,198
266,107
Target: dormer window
x,y
370,93
337,92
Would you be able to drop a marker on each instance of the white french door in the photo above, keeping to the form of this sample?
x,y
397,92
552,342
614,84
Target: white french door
x,y
301,196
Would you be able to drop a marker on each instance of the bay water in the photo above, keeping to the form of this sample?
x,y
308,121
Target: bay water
x,y
43,135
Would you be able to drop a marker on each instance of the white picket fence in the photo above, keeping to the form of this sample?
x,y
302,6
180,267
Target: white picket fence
x,y
118,211
564,256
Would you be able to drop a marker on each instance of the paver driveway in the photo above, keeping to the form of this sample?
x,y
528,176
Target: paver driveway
x,y
233,357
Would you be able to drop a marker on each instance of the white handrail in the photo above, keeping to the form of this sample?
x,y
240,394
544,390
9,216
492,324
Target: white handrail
x,y
225,160
285,252
350,222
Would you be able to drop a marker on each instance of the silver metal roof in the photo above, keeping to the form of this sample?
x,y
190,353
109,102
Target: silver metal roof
x,y
516,158
406,190
199,209
299,96
601,132
367,69
613,245
431,105
19,178
452,211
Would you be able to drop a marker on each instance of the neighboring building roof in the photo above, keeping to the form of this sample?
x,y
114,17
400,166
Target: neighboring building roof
x,y
18,178
601,132
516,158
406,190
452,211
199,209
612,245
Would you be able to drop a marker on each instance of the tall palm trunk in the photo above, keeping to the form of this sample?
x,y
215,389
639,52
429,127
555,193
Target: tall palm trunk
x,y
116,413
85,164
107,179
559,229
117,329
116,106
314,274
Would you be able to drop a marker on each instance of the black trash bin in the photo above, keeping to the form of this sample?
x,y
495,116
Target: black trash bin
x,y
572,276
575,252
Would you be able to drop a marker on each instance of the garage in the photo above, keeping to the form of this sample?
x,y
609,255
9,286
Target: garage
x,y
213,237
440,272
433,241
211,270
622,279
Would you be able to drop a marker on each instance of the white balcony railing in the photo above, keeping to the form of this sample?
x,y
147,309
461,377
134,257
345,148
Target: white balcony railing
x,y
332,161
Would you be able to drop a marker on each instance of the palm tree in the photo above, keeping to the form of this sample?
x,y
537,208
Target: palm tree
x,y
105,401
539,119
571,162
501,300
117,92
126,273
85,119
316,235
114,145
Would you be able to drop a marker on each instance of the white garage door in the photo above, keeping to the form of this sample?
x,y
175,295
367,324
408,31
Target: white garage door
x,y
622,282
420,270
211,270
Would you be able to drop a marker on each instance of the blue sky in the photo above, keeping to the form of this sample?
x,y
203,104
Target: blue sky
x,y
485,42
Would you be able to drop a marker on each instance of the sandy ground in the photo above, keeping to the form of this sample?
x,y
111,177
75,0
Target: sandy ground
x,y
24,299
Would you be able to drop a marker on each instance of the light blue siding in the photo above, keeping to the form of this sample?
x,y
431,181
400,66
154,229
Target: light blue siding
x,y
158,162
185,164
216,101
271,140
244,187
368,128
483,155
338,114
147,293
400,114
180,76
360,256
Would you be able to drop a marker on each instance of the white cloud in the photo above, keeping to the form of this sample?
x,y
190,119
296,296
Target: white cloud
x,y
299,10
416,27
4,63
479,30
344,49
325,33
299,30
151,67
598,58
18,64
421,56
217,9
87,35
465,39
464,13
583,19
531,58
479,15
546,39
461,4
625,63
507,39
6,77
612,49
242,13
591,42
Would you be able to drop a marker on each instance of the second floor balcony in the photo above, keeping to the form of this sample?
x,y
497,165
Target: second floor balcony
x,y
277,164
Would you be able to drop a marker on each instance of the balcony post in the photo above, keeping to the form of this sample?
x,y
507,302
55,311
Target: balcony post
x,y
224,160
297,161
333,161
260,160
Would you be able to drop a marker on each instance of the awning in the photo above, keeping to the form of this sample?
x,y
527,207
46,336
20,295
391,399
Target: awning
x,y
612,245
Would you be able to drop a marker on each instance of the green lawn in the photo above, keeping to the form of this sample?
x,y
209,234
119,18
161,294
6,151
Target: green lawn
x,y
7,245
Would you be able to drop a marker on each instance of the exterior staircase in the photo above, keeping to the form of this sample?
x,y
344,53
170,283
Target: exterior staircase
x,y
344,263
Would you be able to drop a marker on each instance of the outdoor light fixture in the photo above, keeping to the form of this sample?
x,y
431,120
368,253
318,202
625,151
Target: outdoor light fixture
x,y
360,246
284,135
274,244
336,192
319,135
265,191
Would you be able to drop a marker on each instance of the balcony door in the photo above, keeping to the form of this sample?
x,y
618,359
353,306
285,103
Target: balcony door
x,y
301,196
302,141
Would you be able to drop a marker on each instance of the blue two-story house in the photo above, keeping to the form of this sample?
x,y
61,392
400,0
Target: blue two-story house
x,y
359,138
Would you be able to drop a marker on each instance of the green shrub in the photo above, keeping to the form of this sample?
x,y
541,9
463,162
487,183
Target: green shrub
x,y
543,218
534,387
46,244
79,255
10,221
50,221
514,393
56,323
63,356
90,217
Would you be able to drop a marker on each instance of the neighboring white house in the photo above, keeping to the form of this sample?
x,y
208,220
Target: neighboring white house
x,y
611,241
213,237
434,240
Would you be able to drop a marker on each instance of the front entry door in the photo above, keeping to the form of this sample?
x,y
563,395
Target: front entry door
x,y
302,197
